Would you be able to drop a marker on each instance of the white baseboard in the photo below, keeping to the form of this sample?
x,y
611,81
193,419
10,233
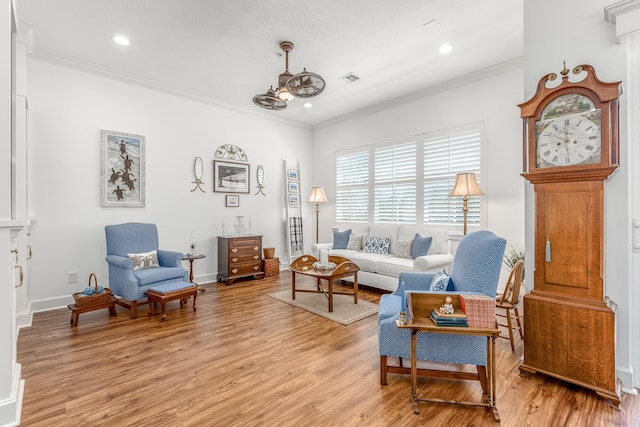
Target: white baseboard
x,y
11,408
626,376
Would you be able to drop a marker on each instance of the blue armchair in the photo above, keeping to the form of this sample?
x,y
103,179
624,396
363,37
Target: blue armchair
x,y
476,269
130,284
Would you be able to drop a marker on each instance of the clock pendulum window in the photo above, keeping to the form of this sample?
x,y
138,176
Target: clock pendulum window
x,y
570,148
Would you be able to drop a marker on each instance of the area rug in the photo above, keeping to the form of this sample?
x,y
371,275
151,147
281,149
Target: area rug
x,y
344,310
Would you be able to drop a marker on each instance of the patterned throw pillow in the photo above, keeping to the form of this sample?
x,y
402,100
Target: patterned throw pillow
x,y
144,260
355,243
377,245
420,246
440,281
403,249
341,239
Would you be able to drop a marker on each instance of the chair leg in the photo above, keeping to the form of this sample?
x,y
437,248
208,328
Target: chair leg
x,y
383,370
482,375
510,326
515,310
134,309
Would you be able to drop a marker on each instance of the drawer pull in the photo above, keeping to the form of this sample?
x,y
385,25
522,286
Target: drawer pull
x,y
256,268
234,259
234,270
234,250
256,256
255,248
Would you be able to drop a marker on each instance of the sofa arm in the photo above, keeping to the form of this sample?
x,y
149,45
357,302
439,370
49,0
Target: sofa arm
x,y
316,247
432,262
169,258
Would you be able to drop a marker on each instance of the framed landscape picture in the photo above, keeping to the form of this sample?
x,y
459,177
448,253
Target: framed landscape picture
x,y
122,178
294,199
293,187
293,174
230,177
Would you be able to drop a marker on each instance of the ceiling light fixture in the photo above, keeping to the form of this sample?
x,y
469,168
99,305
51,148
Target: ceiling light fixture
x,y
121,40
302,85
445,48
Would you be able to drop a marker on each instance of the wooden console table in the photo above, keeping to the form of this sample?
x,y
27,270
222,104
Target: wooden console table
x,y
418,320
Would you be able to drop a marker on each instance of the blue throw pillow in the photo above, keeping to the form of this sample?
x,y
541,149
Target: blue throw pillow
x,y
440,281
420,246
341,239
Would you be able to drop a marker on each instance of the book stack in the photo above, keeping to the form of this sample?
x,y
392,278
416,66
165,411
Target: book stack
x,y
480,310
458,318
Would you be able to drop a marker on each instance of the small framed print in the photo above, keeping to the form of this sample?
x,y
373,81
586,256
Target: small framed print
x,y
232,200
293,187
294,200
293,174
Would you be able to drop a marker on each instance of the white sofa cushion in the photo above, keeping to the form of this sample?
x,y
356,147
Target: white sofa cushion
x,y
439,244
393,266
366,261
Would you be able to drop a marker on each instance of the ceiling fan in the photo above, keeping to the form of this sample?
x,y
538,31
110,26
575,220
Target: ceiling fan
x,y
302,85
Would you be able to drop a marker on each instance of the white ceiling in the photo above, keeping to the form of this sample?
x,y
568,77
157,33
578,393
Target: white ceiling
x,y
226,51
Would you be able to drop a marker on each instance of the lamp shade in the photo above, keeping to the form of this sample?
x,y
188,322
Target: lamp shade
x,y
317,195
466,185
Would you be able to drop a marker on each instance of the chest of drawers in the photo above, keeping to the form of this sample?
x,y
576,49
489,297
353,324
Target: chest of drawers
x,y
238,257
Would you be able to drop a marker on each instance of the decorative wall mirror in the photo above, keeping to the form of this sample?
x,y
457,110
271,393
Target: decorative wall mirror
x,y
260,179
198,169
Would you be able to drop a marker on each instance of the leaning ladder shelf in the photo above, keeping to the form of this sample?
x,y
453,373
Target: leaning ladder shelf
x,y
293,220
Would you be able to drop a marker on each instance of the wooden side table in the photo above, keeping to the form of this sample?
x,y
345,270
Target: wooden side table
x,y
418,320
191,258
75,310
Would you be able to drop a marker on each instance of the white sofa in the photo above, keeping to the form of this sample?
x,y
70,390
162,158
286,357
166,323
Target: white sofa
x,y
381,270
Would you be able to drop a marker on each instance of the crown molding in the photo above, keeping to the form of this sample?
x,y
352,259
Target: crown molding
x,y
625,15
612,12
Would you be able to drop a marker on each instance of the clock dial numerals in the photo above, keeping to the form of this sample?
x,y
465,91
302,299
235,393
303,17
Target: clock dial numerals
x,y
568,141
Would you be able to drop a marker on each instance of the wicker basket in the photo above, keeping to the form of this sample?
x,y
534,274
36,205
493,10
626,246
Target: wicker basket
x,y
269,253
83,300
271,267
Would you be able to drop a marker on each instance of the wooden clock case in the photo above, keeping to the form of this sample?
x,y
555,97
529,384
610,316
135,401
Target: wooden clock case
x,y
569,324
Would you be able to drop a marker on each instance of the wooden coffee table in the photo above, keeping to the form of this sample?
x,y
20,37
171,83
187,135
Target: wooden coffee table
x,y
344,268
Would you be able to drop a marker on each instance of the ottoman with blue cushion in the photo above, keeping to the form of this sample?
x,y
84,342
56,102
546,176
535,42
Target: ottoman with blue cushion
x,y
169,292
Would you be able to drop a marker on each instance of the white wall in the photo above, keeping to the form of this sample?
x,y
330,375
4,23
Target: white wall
x,y
576,31
491,96
68,108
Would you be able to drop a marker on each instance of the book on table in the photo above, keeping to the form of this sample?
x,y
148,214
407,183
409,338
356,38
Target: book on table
x,y
457,318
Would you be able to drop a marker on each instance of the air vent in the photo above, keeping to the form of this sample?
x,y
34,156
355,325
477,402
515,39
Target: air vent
x,y
349,78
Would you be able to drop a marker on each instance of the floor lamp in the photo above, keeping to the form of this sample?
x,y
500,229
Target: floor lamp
x,y
317,196
465,186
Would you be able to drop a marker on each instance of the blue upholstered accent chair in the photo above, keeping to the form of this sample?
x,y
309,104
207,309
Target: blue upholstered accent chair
x,y
130,284
476,269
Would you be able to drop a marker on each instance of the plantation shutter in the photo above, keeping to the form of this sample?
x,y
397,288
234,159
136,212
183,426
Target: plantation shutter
x,y
395,183
352,186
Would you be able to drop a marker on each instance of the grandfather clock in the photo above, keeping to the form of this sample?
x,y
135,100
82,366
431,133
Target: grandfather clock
x,y
570,148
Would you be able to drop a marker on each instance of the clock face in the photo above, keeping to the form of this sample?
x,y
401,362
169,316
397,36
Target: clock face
x,y
568,132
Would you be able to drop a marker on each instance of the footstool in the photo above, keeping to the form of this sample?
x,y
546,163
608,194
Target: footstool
x,y
169,292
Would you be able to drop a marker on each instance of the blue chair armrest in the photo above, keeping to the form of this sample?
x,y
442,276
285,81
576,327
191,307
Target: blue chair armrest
x,y
169,258
119,261
414,281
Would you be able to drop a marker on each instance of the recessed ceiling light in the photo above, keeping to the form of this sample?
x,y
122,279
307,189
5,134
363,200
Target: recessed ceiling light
x,y
308,105
121,40
445,48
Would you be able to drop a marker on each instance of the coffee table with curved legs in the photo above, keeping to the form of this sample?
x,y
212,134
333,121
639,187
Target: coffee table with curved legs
x,y
344,268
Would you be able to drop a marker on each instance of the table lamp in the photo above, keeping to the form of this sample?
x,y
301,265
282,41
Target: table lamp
x,y
317,196
465,186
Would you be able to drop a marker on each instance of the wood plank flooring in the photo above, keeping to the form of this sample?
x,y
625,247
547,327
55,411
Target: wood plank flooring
x,y
245,359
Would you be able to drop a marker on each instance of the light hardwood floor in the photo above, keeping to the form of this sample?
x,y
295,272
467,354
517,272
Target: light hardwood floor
x,y
245,359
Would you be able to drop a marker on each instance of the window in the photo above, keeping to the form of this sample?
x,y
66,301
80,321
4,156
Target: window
x,y
395,183
409,181
444,157
352,186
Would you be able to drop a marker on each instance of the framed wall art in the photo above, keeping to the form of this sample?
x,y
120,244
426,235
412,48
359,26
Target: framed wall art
x,y
293,187
294,199
232,200
122,178
230,177
293,174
